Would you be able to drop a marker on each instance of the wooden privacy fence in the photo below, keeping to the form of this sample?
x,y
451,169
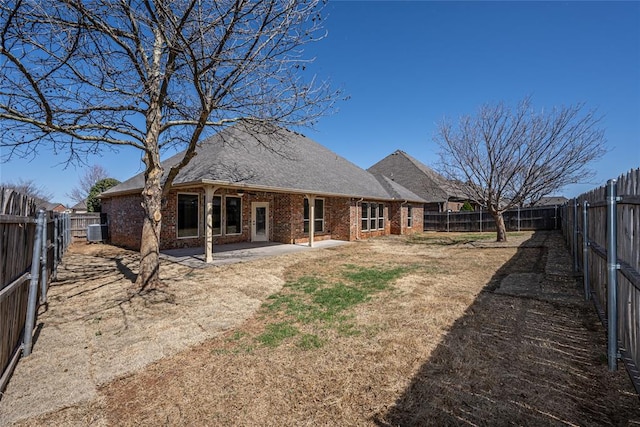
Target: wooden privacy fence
x,y
539,218
79,224
602,229
32,246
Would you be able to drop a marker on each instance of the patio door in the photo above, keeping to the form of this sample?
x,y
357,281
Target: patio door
x,y
259,221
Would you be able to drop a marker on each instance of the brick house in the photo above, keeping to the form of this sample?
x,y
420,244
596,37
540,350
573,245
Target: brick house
x,y
439,193
248,185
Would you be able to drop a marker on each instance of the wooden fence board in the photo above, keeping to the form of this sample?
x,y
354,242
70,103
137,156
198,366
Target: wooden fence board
x,y
18,236
628,257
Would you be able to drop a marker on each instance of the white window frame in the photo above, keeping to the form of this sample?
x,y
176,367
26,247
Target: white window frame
x,y
380,216
364,219
178,236
409,216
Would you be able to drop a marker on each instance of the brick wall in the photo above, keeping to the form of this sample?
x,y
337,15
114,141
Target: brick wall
x,y
286,219
399,213
124,217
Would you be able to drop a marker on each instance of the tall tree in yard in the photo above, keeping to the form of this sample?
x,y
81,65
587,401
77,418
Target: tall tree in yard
x,y
506,157
92,175
82,76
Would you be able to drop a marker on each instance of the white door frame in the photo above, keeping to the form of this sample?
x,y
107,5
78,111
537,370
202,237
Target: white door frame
x,y
254,236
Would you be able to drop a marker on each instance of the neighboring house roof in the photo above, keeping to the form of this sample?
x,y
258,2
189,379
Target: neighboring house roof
x,y
551,201
417,177
80,206
272,158
49,206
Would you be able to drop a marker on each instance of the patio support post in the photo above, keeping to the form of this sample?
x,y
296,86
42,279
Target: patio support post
x,y
312,218
208,229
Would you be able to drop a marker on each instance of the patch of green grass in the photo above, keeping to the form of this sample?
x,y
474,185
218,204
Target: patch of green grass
x,y
306,284
310,341
340,297
373,279
276,333
326,305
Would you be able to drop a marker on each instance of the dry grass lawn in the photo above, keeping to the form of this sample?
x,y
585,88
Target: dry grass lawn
x,y
387,332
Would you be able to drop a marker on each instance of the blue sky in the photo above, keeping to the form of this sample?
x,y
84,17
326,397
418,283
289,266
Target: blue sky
x,y
406,65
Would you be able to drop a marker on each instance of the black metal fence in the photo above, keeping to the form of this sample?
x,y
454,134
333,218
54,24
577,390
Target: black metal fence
x,y
537,218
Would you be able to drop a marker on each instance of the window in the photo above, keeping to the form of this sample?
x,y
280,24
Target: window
x,y
217,215
233,207
365,216
188,215
409,216
373,216
318,213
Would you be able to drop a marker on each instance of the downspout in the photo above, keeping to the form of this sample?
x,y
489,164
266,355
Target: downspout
x,y
358,219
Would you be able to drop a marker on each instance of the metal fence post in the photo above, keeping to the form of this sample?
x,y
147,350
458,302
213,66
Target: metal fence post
x,y
575,235
447,220
56,244
612,274
585,250
481,219
27,338
44,255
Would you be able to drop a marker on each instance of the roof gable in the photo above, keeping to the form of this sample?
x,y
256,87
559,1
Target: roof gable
x,y
417,177
270,158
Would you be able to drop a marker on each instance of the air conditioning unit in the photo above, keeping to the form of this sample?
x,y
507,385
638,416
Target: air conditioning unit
x,y
96,233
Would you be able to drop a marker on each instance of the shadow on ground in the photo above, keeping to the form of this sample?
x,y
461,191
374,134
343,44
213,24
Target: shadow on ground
x,y
555,372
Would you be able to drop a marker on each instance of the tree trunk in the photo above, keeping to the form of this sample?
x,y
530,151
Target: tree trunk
x,y
501,230
149,274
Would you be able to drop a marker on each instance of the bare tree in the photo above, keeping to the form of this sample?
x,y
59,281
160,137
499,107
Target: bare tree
x,y
29,188
91,176
508,157
81,76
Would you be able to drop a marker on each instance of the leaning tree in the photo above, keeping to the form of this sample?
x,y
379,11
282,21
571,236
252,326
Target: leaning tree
x,y
82,76
506,157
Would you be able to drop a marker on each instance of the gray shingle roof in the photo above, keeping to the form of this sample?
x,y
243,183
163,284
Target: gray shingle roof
x,y
272,158
417,177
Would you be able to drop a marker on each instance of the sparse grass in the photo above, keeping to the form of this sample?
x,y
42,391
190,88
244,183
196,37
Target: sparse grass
x,y
454,238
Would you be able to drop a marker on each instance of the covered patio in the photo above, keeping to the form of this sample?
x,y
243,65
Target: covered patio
x,y
232,253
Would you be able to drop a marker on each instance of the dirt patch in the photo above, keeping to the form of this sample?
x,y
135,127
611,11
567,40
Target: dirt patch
x,y
437,346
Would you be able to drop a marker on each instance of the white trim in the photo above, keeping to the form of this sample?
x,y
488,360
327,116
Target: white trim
x,y
178,194
255,205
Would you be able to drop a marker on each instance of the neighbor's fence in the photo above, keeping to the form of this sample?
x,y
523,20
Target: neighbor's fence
x,y
80,223
602,229
32,247
537,218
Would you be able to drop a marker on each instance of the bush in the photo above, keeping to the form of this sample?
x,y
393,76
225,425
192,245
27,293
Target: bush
x,y
93,202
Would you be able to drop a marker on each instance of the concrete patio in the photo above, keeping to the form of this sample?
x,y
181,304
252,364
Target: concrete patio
x,y
241,252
